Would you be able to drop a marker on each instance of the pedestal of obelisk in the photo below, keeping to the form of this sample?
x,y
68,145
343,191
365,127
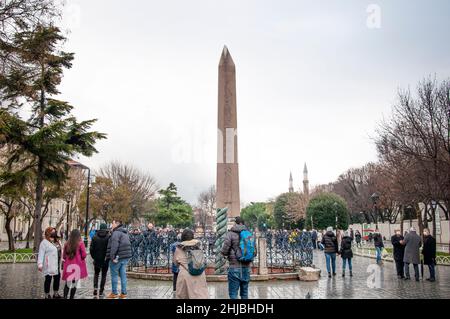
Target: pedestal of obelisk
x,y
227,182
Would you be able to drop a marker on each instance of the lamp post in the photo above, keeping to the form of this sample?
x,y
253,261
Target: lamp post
x,y
68,198
410,209
434,206
361,214
335,205
90,179
375,198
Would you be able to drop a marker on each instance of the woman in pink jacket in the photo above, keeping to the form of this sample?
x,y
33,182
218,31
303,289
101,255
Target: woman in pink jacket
x,y
74,263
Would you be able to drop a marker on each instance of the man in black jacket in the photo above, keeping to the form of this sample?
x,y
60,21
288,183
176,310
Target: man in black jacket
x,y
98,247
429,253
238,272
118,253
399,253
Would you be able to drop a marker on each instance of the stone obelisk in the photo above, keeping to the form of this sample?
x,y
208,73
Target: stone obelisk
x,y
227,182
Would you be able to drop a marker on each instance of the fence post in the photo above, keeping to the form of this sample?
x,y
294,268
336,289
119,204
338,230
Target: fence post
x,y
262,256
14,258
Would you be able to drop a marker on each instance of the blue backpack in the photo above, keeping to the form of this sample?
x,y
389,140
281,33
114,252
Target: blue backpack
x,y
247,245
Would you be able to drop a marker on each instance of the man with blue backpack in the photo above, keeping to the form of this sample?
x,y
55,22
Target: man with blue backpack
x,y
239,247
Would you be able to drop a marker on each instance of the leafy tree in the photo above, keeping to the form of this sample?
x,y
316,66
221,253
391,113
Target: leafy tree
x,y
51,135
256,215
120,191
172,209
206,207
323,209
289,209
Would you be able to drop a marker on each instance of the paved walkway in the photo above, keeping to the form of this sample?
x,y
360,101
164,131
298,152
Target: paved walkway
x,y
369,281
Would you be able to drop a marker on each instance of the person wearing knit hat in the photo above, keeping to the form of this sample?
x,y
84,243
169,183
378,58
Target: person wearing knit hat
x,y
97,250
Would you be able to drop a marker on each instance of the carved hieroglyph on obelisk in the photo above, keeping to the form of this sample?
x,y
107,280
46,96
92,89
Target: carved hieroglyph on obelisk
x,y
227,182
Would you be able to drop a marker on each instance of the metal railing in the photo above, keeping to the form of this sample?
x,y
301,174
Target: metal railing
x,y
152,253
369,252
18,257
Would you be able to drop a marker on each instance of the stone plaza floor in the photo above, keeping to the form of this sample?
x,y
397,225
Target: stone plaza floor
x,y
368,281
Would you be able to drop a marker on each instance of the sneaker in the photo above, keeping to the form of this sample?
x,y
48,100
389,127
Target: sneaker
x,y
123,296
57,296
112,296
329,275
407,278
334,274
351,273
343,274
432,280
95,292
48,296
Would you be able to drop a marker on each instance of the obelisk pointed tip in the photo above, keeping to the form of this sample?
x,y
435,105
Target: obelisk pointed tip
x,y
226,56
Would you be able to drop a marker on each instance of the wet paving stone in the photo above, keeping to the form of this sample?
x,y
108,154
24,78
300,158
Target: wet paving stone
x,y
23,281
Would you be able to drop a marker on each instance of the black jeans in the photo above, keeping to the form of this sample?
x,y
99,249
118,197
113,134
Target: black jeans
x,y
400,266
48,281
431,268
175,277
72,287
104,271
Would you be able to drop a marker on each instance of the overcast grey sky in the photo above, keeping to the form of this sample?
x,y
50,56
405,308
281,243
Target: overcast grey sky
x,y
313,79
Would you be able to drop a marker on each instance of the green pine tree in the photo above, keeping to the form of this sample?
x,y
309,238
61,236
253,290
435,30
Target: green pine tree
x,y
51,135
172,209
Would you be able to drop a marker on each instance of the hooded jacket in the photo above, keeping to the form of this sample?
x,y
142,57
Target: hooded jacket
x,y
231,246
119,244
346,247
329,241
99,245
189,286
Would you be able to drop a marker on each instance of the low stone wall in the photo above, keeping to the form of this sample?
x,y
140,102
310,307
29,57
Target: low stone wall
x,y
214,278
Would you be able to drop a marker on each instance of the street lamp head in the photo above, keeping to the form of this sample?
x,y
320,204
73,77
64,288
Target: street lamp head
x,y
375,197
433,204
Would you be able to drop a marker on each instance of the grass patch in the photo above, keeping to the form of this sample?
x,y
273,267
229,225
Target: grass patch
x,y
389,250
18,251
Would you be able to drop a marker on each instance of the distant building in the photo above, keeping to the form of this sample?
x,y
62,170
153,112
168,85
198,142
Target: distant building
x,y
291,184
305,182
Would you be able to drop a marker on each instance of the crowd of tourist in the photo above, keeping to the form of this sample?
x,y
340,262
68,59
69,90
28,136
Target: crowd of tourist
x,y
111,250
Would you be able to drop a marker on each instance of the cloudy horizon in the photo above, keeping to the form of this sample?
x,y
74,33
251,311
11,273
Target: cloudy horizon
x,y
313,80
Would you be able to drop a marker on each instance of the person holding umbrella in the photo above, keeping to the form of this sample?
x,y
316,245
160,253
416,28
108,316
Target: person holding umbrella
x,y
429,253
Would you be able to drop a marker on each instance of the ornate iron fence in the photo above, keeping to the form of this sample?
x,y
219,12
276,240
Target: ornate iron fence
x,y
285,251
370,252
153,253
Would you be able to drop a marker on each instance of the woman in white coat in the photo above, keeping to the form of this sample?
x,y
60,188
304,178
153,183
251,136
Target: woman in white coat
x,y
49,261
